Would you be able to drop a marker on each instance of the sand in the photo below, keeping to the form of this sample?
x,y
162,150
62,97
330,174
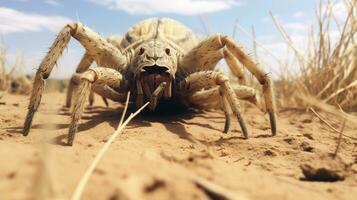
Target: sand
x,y
170,156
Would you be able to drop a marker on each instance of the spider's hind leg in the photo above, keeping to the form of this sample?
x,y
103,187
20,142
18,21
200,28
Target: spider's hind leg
x,y
214,99
86,61
199,80
83,65
82,94
207,54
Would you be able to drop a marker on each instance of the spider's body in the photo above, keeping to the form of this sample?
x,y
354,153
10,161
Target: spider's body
x,y
156,59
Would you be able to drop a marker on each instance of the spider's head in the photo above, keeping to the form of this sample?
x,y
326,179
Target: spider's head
x,y
155,56
155,62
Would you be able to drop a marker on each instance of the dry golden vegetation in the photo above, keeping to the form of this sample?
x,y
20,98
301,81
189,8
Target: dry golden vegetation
x,y
2,68
327,68
15,81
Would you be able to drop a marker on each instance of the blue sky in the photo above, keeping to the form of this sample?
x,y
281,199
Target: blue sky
x,y
29,26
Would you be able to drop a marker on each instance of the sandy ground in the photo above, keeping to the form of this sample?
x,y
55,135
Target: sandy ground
x,y
162,157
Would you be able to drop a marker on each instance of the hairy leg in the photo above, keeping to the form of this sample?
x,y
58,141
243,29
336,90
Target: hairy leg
x,y
226,110
104,81
84,64
211,96
208,53
81,96
101,50
214,98
199,80
73,84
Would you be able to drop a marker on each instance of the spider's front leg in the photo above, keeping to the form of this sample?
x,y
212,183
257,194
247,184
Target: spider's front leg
x,y
206,79
107,82
83,65
103,52
208,53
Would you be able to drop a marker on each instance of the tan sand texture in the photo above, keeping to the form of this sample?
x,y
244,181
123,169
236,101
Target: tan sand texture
x,y
169,156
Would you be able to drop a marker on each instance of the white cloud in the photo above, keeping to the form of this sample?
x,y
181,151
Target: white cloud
x,y
281,51
265,19
12,21
52,2
182,7
299,14
296,26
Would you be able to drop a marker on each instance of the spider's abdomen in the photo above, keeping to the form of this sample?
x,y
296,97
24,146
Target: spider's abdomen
x,y
152,27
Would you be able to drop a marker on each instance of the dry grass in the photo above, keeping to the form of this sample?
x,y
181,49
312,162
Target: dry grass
x,y
2,67
328,69
122,124
14,81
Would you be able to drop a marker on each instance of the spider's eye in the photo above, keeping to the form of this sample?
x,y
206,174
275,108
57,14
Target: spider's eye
x,y
141,51
167,51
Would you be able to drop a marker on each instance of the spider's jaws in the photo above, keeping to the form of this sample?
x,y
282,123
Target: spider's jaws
x,y
154,95
153,83
155,69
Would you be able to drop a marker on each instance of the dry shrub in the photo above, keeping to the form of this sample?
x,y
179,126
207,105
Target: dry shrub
x,y
328,69
19,83
15,81
2,67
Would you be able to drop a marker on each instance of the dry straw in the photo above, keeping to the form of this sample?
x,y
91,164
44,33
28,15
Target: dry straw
x,y
84,179
2,66
328,69
15,81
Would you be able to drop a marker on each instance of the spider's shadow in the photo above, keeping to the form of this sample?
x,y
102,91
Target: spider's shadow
x,y
93,115
173,116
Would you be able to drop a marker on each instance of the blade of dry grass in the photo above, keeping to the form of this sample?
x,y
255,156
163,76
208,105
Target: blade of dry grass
x,y
339,139
328,108
84,179
125,109
287,39
351,85
330,126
